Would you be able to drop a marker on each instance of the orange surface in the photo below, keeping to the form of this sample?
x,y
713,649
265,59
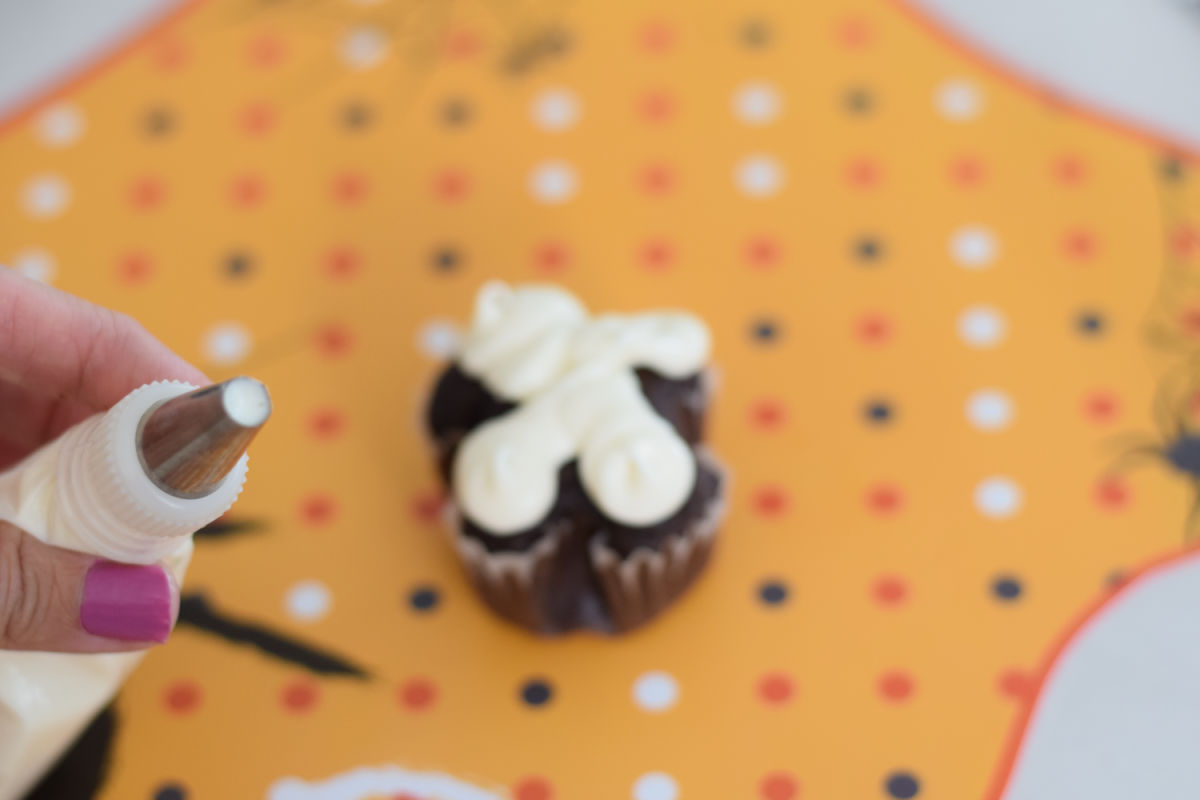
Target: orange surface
x,y
334,231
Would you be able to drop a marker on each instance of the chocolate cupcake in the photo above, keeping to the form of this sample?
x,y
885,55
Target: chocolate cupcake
x,y
571,445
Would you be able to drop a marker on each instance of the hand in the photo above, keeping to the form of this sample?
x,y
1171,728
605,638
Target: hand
x,y
61,361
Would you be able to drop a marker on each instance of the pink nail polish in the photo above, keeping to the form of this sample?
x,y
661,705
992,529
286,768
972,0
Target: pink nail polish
x,y
127,602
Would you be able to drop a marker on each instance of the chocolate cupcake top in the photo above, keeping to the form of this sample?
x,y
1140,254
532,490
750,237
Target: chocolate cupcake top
x,y
578,397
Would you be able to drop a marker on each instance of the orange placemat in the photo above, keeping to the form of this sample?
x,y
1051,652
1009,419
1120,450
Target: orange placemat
x,y
935,297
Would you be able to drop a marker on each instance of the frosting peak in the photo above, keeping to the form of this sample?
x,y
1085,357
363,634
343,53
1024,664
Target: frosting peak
x,y
575,375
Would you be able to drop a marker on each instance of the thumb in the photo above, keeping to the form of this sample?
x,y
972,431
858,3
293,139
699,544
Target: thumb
x,y
63,601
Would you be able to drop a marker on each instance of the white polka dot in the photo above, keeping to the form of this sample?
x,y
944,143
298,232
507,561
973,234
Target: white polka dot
x,y
982,327
439,339
998,497
989,410
553,182
226,343
308,600
655,786
756,103
759,176
364,47
555,109
60,125
973,247
959,100
35,264
46,196
655,691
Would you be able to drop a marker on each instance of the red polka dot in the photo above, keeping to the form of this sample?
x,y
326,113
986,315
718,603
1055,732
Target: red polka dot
x,y
890,590
326,423
169,54
778,786
256,119
146,194
1069,170
318,509
1080,245
895,686
342,263
183,696
864,173
884,499
657,255
656,179
551,258
134,269
1014,683
417,694
1185,242
427,506
265,50
775,688
349,188
451,185
656,37
1101,407
967,172
768,415
762,251
299,695
854,33
770,501
874,328
656,106
1111,494
533,788
247,191
462,43
1189,321
333,340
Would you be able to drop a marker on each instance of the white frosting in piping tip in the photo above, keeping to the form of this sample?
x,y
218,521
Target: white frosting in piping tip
x,y
581,398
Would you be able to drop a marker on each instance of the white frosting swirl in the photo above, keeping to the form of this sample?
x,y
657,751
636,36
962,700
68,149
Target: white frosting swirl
x,y
581,399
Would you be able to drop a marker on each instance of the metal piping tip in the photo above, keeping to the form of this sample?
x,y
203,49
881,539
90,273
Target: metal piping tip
x,y
188,444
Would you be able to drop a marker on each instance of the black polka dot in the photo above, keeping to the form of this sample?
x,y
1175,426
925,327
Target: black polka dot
x,y
446,259
773,593
537,692
356,116
755,34
858,101
424,598
879,412
902,785
170,791
1007,589
1172,169
455,113
765,331
238,265
158,122
1090,323
868,250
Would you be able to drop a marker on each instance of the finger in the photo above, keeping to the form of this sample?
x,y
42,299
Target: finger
x,y
64,346
30,420
62,601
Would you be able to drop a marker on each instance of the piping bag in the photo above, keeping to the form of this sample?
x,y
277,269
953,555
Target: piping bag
x,y
132,485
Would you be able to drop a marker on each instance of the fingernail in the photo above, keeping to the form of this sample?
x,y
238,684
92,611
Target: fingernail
x,y
127,601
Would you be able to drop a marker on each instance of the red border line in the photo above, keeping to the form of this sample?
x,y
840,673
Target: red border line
x,y
96,64
1091,614
998,67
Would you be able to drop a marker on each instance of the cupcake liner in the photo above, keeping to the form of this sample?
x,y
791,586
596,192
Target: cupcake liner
x,y
638,587
514,584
